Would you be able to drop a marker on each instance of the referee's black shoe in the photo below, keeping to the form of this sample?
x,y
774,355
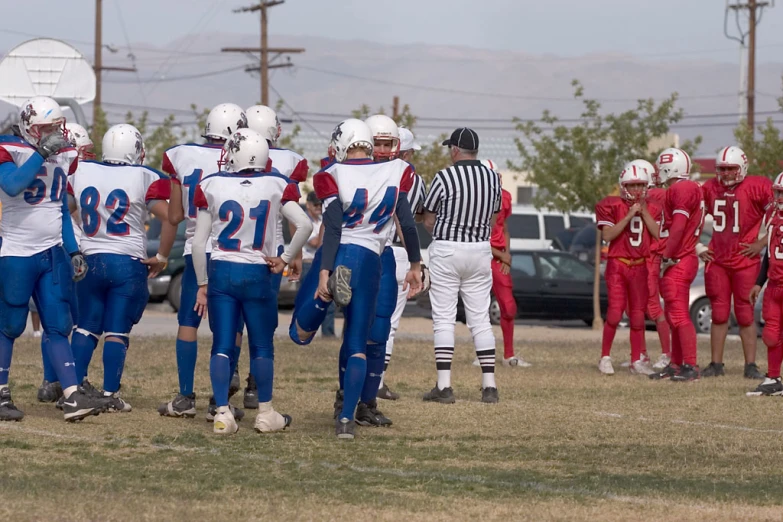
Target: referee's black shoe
x,y
444,396
489,395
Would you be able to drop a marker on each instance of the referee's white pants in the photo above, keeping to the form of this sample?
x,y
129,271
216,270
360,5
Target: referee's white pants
x,y
462,269
401,258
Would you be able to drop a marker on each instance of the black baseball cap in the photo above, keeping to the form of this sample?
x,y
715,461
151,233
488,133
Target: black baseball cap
x,y
464,138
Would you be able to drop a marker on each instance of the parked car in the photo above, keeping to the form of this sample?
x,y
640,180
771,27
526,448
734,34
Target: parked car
x,y
700,307
532,228
548,285
168,284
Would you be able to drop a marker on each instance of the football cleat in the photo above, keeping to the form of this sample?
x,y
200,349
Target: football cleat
x,y
81,404
250,400
490,395
180,406
605,365
716,370
668,372
385,393
686,373
237,413
338,403
271,421
368,414
340,286
662,362
234,386
752,371
49,391
768,388
345,428
224,422
9,412
116,404
516,361
444,396
90,390
641,368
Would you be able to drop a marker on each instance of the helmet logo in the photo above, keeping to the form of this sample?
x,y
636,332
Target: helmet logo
x,y
338,131
233,143
242,121
28,113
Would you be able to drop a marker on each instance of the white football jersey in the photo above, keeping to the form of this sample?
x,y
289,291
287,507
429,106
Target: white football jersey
x,y
294,167
33,220
77,228
112,201
416,199
187,165
244,209
368,192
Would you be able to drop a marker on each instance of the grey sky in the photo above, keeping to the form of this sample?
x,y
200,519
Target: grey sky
x,y
561,27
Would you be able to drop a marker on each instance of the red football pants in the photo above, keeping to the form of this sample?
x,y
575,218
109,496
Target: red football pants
x,y
675,289
772,310
654,310
626,285
503,289
722,283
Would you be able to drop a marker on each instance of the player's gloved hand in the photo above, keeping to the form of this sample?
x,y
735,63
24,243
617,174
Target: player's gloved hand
x,y
754,295
79,265
52,144
425,279
667,264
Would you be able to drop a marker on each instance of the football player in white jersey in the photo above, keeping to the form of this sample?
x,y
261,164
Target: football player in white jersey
x,y
292,165
239,209
187,165
50,389
113,198
361,200
408,146
37,240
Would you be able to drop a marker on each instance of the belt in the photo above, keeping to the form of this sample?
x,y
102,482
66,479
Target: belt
x,y
631,262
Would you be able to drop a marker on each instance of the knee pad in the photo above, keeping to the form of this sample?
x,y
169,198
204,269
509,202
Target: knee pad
x,y
614,316
379,331
721,312
637,320
14,321
266,351
770,337
744,313
123,338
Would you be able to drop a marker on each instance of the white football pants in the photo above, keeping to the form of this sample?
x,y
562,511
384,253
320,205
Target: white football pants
x,y
462,269
401,258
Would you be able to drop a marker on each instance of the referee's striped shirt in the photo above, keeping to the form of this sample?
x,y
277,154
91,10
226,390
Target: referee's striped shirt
x,y
464,197
416,199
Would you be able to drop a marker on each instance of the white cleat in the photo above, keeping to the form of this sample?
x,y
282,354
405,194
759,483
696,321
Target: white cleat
x,y
476,362
117,404
641,367
625,364
224,423
516,361
271,421
662,362
605,366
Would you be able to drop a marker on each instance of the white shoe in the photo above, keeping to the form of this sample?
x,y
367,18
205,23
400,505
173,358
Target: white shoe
x,y
625,364
270,421
117,404
224,423
641,368
663,362
516,361
476,362
37,333
605,366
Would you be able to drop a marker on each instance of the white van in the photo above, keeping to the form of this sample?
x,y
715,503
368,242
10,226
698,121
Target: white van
x,y
532,228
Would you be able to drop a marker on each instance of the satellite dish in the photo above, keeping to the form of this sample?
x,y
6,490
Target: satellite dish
x,y
46,67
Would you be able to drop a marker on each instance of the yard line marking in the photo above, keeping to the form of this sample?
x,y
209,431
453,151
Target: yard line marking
x,y
691,423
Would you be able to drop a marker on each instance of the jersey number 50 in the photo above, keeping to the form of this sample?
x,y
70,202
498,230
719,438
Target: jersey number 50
x,y
232,212
354,215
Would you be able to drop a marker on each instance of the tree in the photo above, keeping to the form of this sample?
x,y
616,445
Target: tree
x,y
765,153
575,166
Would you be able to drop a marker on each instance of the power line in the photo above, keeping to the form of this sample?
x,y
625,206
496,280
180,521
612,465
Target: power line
x,y
184,77
131,55
293,111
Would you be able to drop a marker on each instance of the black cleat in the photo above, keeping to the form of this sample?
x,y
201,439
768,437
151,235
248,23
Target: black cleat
x,y
687,373
768,388
180,406
234,386
444,396
90,390
345,428
81,405
490,395
716,370
9,412
238,413
49,391
367,414
250,400
669,371
385,393
339,286
752,371
338,403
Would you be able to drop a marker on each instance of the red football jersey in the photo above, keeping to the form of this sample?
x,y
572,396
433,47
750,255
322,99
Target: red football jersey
x,y
635,240
498,238
775,272
737,213
657,196
685,198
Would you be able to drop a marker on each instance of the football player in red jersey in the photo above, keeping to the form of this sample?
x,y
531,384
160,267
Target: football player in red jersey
x,y
737,204
772,308
628,223
683,218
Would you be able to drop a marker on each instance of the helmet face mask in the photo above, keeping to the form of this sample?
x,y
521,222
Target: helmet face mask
x,y
635,191
731,166
39,117
80,138
728,175
386,137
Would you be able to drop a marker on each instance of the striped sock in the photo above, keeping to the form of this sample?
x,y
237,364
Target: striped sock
x,y
487,361
443,357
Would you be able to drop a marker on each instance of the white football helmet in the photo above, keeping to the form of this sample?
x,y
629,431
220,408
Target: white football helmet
x,y
39,116
350,134
673,164
634,174
224,120
384,128
647,167
246,149
777,188
731,166
264,121
80,138
123,144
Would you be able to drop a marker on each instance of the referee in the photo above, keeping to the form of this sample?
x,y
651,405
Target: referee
x,y
459,212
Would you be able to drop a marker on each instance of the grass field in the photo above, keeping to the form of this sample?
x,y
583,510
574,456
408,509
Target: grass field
x,y
564,443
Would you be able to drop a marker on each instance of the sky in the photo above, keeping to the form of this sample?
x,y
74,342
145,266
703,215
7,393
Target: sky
x,y
642,28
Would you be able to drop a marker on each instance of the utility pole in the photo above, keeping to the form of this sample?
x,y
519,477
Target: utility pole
x,y
264,50
395,108
98,67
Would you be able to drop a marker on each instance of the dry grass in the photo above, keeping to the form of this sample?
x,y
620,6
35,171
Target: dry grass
x,y
564,443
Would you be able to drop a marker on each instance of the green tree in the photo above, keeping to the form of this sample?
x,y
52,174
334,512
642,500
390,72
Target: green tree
x,y
575,166
764,151
156,140
99,128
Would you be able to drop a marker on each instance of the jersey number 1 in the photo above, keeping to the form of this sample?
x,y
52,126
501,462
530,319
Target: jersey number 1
x,y
354,215
191,182
232,212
